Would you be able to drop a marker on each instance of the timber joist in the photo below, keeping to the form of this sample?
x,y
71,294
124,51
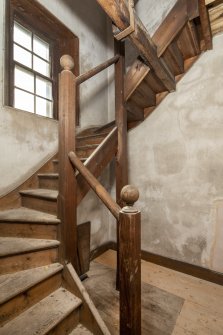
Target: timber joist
x,y
119,14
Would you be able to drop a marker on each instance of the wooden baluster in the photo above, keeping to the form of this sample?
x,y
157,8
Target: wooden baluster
x,y
121,123
67,179
130,263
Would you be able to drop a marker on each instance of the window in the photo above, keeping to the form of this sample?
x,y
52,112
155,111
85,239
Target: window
x,y
35,41
32,72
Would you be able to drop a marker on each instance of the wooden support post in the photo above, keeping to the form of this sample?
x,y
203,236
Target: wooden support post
x,y
205,25
67,180
121,123
130,264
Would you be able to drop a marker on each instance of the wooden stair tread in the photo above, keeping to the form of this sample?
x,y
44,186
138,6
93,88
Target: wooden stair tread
x,y
81,330
13,245
44,316
18,282
41,193
26,215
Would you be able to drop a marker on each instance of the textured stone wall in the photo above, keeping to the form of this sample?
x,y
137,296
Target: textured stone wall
x,y
175,159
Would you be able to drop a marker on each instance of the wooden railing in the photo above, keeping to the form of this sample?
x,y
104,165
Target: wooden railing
x,y
129,234
128,218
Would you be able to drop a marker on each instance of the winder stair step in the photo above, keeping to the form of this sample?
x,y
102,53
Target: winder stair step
x,y
17,254
45,316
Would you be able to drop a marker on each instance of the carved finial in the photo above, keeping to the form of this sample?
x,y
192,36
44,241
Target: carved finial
x,y
67,62
129,194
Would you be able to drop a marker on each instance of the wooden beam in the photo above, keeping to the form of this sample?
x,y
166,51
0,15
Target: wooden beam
x,y
121,166
121,123
192,9
171,26
205,25
119,14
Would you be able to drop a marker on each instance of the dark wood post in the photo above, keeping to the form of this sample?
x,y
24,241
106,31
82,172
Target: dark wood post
x,y
121,123
205,25
67,179
130,264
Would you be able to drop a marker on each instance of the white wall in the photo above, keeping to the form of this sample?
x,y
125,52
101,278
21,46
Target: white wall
x,y
27,141
152,13
175,159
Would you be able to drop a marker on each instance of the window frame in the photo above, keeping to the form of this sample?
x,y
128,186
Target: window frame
x,y
34,17
35,73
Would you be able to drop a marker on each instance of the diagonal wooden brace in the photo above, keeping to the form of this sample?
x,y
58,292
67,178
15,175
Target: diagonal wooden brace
x,y
131,28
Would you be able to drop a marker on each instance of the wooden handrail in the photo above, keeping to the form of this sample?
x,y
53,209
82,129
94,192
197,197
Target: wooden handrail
x,y
95,185
97,162
128,218
83,77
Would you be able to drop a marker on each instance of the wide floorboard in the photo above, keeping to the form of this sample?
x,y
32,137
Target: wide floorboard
x,y
173,303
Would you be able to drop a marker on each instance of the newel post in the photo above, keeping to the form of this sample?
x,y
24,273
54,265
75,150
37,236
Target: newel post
x,y
67,179
130,263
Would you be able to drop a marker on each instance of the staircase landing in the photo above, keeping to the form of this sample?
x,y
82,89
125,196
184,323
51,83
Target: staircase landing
x,y
175,303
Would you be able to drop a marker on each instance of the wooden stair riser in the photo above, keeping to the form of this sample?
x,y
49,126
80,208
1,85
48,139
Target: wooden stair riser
x,y
30,297
50,183
29,230
174,59
188,42
88,140
10,264
85,151
40,204
68,324
55,166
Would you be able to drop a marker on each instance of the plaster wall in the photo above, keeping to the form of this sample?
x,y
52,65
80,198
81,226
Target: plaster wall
x,y
27,141
175,159
152,13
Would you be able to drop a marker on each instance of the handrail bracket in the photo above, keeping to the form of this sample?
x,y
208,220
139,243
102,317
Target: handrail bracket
x,y
131,28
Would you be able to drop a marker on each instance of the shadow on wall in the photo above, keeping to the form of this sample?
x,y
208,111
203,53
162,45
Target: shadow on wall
x,y
90,13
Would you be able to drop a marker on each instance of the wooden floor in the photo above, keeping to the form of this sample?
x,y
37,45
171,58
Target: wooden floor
x,y
201,310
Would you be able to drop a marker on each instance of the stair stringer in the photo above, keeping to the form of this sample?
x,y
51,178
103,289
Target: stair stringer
x,y
90,316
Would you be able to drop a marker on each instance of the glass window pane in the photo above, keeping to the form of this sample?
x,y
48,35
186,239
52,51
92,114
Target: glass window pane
x,y
41,66
22,36
23,100
43,88
22,56
44,107
41,48
24,79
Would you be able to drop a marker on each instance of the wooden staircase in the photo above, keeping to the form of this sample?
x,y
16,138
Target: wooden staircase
x,y
38,293
179,41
